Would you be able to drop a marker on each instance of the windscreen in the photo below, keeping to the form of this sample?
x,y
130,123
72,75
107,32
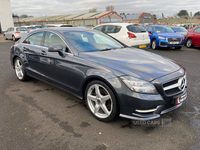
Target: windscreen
x,y
162,29
136,28
181,29
21,29
88,41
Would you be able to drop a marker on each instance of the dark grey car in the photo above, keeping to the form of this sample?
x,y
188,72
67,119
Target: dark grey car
x,y
112,78
180,30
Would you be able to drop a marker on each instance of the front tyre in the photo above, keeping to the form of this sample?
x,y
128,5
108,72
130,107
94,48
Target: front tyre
x,y
189,43
101,101
154,44
20,70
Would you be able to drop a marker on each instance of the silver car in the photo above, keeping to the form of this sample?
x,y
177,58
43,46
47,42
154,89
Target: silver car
x,y
15,33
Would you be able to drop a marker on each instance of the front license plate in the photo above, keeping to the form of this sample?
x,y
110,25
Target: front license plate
x,y
142,46
181,98
173,42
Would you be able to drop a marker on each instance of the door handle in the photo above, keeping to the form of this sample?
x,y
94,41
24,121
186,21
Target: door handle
x,y
43,52
25,48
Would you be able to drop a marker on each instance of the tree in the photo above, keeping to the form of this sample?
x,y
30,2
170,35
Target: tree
x,y
197,13
93,10
24,16
183,13
154,16
110,8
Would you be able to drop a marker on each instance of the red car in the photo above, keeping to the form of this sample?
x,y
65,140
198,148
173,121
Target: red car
x,y
193,37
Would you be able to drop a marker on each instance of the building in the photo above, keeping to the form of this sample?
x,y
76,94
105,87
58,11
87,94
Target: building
x,y
6,20
143,18
84,19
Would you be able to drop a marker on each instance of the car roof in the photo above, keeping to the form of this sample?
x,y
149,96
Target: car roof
x,y
65,29
56,24
119,24
159,25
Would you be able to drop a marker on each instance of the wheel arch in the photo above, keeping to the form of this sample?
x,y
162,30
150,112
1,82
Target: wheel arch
x,y
93,78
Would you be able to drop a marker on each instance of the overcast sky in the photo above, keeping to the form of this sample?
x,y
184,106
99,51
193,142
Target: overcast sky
x,y
59,7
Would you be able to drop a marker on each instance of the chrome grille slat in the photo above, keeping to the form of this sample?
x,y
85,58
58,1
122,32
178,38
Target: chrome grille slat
x,y
171,86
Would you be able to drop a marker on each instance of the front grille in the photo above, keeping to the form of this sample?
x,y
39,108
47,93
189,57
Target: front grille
x,y
173,86
175,40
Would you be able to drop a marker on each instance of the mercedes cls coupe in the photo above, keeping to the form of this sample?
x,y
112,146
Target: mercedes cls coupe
x,y
112,78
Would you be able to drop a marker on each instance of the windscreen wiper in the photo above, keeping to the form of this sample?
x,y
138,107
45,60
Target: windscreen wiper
x,y
107,49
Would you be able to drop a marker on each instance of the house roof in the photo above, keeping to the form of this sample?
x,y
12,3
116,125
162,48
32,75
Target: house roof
x,y
68,16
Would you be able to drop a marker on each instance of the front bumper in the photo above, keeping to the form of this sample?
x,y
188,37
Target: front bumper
x,y
164,43
140,106
154,115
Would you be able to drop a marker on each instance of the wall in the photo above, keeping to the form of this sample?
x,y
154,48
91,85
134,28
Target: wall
x,y
5,15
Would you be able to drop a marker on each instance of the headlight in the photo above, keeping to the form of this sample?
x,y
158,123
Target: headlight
x,y
162,38
138,85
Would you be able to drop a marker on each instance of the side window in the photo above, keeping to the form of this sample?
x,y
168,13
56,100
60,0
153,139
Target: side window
x,y
51,38
150,29
197,30
34,39
12,29
99,28
9,29
112,29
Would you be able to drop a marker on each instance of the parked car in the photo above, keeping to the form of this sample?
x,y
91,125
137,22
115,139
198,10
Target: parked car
x,y
193,37
112,78
83,27
30,28
15,33
57,25
36,26
164,36
180,30
127,33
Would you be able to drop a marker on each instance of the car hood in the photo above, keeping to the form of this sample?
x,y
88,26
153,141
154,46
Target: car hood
x,y
133,62
169,34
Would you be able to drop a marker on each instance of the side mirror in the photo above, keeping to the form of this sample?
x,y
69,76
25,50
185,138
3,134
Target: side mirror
x,y
56,48
150,32
175,31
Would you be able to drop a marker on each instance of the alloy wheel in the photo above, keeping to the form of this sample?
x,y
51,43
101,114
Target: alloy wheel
x,y
14,38
189,43
154,44
19,70
99,101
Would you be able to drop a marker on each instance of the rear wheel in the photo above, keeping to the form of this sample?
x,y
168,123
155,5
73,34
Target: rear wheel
x,y
20,70
13,38
154,44
101,101
189,43
5,37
